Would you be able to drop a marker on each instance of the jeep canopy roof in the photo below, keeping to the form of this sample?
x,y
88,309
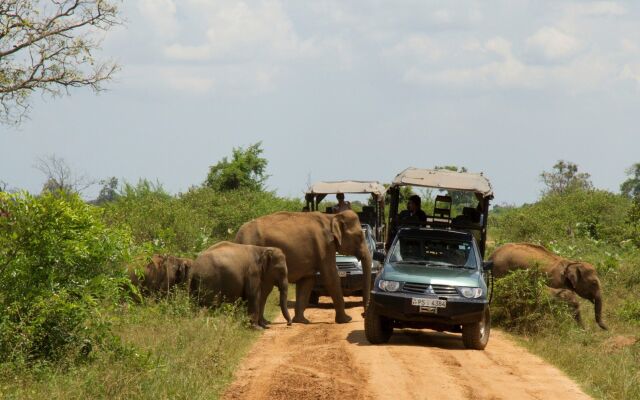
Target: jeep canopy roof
x,y
373,187
372,215
445,179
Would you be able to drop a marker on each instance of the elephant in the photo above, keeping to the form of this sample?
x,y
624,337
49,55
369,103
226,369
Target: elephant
x,y
310,241
161,274
227,271
577,276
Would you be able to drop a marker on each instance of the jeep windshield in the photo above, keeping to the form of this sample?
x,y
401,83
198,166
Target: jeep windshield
x,y
452,253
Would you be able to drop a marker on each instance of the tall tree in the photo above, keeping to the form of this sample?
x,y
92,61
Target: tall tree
x,y
59,176
565,177
49,46
245,170
631,187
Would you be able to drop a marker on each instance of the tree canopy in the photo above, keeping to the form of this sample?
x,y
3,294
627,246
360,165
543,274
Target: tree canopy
x,y
631,187
565,177
49,46
245,170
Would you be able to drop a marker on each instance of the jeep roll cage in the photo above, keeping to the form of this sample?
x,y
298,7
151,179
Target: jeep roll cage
x,y
372,215
473,220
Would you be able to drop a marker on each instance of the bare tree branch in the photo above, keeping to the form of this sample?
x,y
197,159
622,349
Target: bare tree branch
x,y
49,45
59,176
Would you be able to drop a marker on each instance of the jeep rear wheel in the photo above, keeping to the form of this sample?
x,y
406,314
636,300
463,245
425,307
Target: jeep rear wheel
x,y
476,335
377,328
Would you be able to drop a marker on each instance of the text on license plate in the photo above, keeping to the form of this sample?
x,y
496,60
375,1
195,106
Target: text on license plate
x,y
417,301
342,274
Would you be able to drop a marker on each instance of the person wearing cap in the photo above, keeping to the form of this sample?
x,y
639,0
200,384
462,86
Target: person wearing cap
x,y
342,205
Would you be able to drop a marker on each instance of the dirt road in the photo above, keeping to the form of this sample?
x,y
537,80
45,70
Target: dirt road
x,y
325,360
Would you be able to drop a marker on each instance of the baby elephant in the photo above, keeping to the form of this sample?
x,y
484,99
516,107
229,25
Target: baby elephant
x,y
161,274
228,271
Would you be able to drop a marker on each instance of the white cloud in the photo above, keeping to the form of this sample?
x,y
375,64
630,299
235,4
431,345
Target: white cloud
x,y
239,31
161,14
417,46
188,53
553,43
597,8
631,72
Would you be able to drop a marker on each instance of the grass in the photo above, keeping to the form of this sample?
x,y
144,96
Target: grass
x,y
171,351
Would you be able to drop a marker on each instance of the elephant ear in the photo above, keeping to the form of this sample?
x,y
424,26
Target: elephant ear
x,y
265,260
337,227
572,275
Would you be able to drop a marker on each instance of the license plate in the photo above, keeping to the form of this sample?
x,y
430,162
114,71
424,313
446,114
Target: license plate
x,y
342,274
421,302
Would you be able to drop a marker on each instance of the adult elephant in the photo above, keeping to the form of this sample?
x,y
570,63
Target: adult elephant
x,y
226,272
577,276
310,241
161,273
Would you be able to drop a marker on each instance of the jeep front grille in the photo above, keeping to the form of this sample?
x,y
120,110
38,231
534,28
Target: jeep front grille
x,y
421,288
347,266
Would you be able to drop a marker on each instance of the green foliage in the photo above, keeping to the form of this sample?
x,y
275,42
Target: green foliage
x,y
633,219
522,303
631,187
630,311
595,215
564,177
190,222
58,264
109,190
246,170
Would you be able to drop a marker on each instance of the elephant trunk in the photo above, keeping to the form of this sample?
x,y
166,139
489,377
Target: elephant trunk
x,y
284,291
597,302
366,261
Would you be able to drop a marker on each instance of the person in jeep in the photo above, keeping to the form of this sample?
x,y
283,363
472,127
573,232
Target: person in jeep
x,y
413,213
342,205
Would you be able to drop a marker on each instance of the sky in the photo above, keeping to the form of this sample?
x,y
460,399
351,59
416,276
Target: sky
x,y
351,90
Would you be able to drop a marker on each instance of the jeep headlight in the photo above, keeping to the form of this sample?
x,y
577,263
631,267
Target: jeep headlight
x,y
389,286
470,292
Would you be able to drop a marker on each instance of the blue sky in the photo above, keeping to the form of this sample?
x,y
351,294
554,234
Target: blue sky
x,y
351,90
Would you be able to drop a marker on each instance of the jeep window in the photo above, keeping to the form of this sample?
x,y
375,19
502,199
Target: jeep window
x,y
432,251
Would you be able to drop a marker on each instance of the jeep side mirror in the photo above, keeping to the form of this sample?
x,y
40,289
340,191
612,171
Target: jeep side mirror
x,y
487,265
378,256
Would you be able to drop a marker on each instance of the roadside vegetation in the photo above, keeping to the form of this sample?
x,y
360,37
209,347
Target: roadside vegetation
x,y
74,326
578,222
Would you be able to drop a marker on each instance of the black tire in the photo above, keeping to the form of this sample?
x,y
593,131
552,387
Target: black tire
x,y
377,328
314,299
476,336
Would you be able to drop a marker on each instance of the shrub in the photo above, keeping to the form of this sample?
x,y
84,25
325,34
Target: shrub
x,y
630,311
596,215
189,222
522,303
59,265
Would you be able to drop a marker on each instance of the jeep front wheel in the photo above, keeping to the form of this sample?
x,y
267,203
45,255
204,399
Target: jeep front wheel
x,y
476,335
377,328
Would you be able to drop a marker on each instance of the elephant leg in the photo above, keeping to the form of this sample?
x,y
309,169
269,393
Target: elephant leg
x,y
264,295
332,283
570,298
303,291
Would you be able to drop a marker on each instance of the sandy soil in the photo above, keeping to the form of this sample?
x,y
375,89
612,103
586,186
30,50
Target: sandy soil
x,y
324,360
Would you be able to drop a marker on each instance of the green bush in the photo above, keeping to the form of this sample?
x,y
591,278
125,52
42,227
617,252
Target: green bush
x,y
190,222
595,215
522,304
59,267
630,311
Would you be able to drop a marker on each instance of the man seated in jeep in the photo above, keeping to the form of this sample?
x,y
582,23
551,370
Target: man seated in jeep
x,y
342,205
413,214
